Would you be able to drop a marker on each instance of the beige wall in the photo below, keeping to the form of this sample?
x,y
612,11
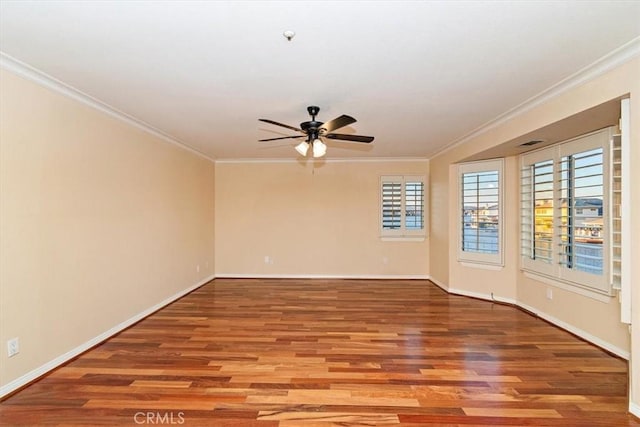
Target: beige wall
x,y
99,221
482,282
598,319
439,204
320,220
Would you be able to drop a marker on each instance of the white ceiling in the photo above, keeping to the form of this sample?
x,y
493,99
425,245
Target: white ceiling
x,y
417,75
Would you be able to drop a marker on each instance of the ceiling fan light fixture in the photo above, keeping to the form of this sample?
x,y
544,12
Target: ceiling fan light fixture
x,y
319,148
302,148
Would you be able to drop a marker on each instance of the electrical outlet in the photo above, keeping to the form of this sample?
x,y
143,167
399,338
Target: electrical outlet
x,y
266,259
549,293
13,347
198,268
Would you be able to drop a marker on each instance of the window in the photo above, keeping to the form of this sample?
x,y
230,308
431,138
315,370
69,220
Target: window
x,y
480,212
402,206
564,211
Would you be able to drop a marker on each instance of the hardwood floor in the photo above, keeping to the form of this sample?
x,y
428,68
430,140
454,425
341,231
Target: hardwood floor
x,y
332,352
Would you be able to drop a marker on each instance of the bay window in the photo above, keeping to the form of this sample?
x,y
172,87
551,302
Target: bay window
x,y
565,211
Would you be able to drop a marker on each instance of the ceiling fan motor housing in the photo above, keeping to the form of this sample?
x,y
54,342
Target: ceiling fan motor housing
x,y
311,128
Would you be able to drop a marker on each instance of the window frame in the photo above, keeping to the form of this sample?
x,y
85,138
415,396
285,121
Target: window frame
x,y
402,233
598,283
496,259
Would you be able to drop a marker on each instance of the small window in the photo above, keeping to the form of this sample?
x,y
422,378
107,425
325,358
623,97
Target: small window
x,y
480,212
402,206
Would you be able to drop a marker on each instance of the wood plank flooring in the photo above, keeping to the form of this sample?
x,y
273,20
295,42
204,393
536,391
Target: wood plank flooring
x,y
332,352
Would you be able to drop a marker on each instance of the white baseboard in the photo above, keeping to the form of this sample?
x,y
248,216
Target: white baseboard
x,y
52,364
549,318
439,284
487,297
577,331
634,409
323,276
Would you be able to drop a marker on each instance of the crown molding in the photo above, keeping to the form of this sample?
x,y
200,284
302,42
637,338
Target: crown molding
x,y
336,160
28,72
613,59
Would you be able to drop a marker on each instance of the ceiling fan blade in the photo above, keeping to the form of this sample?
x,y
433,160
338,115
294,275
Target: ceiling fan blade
x,y
281,124
354,138
337,123
282,137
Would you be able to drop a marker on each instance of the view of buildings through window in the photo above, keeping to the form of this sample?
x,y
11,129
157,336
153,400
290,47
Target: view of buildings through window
x,y
543,212
414,205
578,217
480,212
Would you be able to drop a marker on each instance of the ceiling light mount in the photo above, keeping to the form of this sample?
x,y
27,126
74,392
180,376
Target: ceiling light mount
x,y
313,111
289,34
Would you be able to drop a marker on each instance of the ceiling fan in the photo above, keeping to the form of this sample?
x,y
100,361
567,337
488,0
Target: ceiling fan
x,y
314,130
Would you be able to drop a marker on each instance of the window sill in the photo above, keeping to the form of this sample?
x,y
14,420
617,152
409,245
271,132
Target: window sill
x,y
480,265
402,238
568,286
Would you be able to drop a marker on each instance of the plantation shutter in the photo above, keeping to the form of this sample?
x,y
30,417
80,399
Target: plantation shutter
x,y
480,212
402,206
565,212
392,204
581,211
414,205
616,212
